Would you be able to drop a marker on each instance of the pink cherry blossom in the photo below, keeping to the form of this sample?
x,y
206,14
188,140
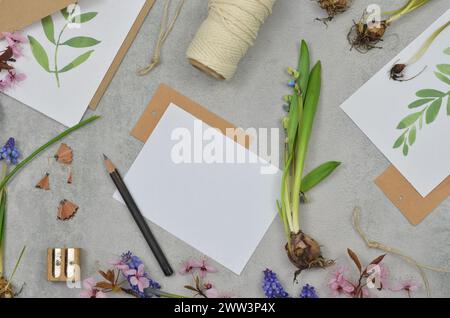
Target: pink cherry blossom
x,y
137,278
408,285
119,265
90,291
189,266
339,284
15,77
205,268
210,291
14,40
5,84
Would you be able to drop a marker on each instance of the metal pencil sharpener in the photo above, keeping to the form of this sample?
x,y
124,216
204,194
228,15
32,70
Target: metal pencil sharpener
x,y
63,264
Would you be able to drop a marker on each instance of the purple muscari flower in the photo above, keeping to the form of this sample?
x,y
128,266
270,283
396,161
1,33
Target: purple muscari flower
x,y
272,286
9,152
308,291
125,257
291,83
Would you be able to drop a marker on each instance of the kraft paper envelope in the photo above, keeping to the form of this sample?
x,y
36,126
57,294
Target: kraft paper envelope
x,y
403,195
158,105
15,15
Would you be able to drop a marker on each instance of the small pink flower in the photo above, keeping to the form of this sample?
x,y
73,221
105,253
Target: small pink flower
x,y
119,265
14,40
15,77
339,284
408,285
5,84
189,266
210,291
90,291
205,269
137,278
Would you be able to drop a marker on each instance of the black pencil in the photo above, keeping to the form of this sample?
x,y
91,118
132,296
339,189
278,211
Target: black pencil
x,y
142,224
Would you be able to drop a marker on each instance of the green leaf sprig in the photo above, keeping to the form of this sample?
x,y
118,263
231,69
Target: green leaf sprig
x,y
426,109
48,26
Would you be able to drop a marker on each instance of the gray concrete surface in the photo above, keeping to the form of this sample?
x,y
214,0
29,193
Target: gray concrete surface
x,y
104,228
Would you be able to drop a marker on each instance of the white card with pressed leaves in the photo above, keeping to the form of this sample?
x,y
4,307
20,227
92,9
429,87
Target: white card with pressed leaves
x,y
223,209
409,121
66,62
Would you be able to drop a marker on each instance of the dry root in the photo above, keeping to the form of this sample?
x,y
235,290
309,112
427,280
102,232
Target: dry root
x,y
304,252
333,8
365,36
5,290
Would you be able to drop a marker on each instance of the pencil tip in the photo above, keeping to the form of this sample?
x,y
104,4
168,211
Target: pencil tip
x,y
105,157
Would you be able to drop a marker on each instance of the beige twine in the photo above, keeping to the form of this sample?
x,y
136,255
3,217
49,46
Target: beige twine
x,y
226,35
164,32
376,245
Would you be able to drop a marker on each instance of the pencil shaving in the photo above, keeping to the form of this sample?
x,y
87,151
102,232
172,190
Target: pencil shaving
x,y
64,154
44,183
67,210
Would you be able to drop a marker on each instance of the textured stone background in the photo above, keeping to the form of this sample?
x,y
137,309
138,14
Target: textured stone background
x,y
104,228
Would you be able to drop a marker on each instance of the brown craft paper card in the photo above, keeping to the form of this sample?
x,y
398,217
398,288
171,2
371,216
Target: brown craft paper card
x,y
121,54
403,195
17,14
158,105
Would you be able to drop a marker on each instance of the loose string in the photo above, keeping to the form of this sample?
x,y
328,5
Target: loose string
x,y
165,29
226,35
376,245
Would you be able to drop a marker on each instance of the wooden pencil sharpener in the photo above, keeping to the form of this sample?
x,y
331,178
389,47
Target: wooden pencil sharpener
x,y
63,264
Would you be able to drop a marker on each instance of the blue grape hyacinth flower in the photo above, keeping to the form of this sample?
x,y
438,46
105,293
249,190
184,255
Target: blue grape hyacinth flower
x,y
9,152
272,286
308,291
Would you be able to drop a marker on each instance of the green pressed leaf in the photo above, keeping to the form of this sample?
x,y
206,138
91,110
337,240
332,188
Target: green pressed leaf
x,y
444,68
442,77
400,140
448,106
447,51
81,42
79,60
303,67
420,102
65,13
318,175
49,28
429,93
39,53
433,111
412,135
409,120
405,149
84,17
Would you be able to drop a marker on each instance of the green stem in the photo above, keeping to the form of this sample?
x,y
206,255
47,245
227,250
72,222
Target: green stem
x,y
56,54
409,7
2,219
65,133
15,268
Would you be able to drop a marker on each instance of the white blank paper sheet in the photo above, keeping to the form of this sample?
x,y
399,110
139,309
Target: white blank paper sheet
x,y
221,209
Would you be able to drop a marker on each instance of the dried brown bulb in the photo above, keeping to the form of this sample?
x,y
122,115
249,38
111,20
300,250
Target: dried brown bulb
x,y
304,252
365,36
333,8
5,289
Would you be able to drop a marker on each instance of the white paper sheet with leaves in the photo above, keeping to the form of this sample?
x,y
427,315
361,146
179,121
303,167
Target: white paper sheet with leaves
x,y
68,55
409,121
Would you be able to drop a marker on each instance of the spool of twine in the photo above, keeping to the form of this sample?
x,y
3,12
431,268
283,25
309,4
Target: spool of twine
x,y
225,36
